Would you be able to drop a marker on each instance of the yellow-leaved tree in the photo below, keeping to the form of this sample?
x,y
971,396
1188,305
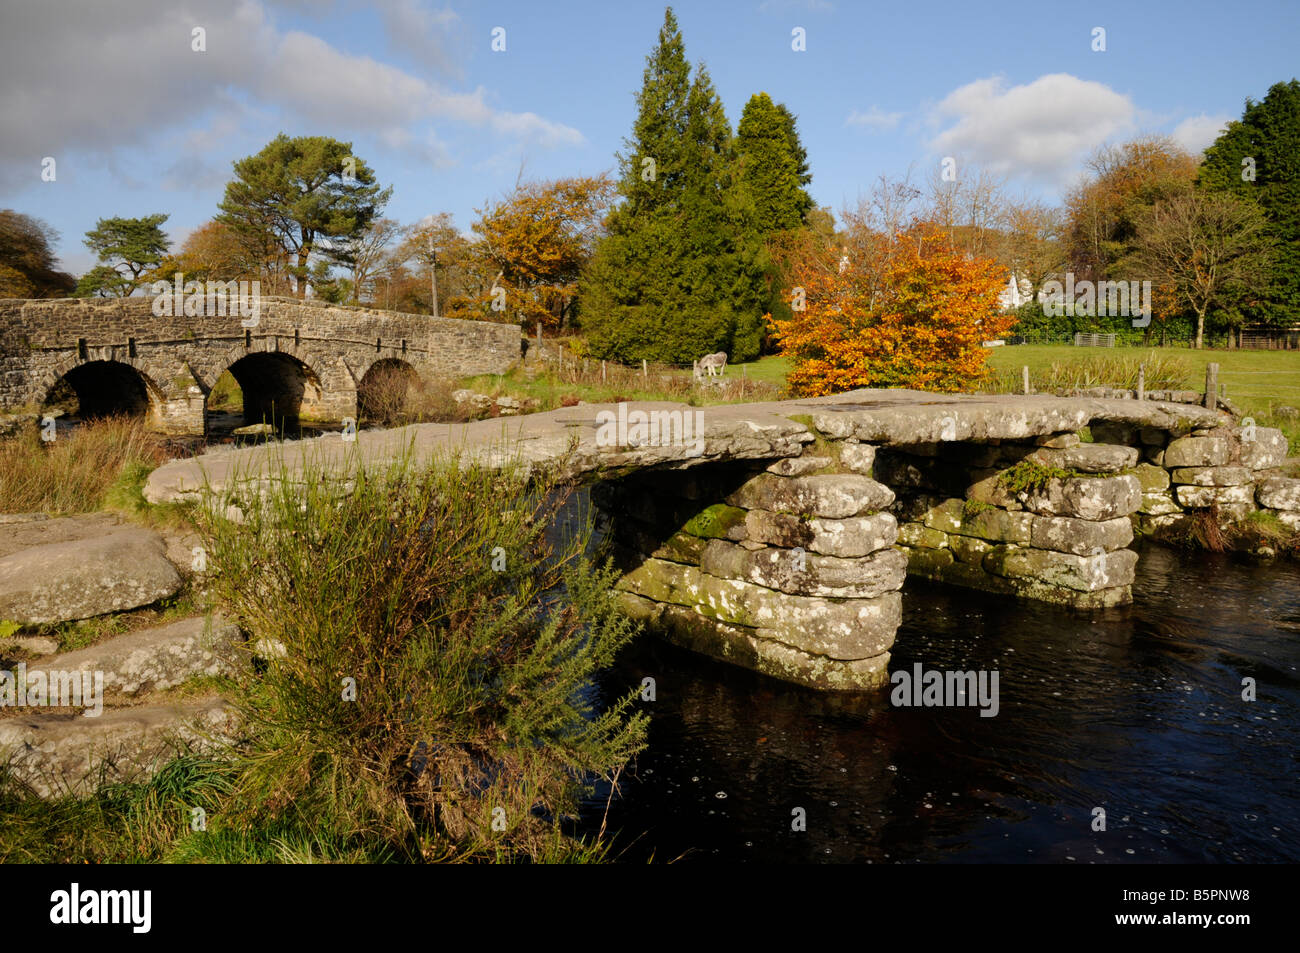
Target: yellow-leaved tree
x,y
907,311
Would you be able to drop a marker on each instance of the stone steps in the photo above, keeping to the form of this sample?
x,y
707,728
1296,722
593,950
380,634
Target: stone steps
x,y
153,659
67,753
73,719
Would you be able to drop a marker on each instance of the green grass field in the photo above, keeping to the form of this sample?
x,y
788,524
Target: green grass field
x,y
1253,378
1256,381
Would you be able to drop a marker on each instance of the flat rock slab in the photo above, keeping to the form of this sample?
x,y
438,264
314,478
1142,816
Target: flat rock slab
x,y
807,574
842,629
769,431
831,496
58,753
848,538
61,582
35,529
1088,457
155,659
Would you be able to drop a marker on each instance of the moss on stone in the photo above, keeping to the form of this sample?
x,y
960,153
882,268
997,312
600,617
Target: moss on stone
x,y
807,421
1030,477
714,522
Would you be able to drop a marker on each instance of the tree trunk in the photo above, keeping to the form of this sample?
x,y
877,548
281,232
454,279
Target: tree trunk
x,y
301,276
1200,329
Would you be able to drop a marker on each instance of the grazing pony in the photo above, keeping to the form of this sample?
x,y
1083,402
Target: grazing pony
x,y
714,362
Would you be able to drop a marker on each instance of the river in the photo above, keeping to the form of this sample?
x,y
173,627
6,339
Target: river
x,y
1137,711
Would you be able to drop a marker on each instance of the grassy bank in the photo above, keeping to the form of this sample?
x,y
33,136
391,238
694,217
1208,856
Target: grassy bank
x,y
417,687
1254,377
92,468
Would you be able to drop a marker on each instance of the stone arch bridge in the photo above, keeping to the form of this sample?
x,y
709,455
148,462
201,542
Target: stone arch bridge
x,y
778,535
303,359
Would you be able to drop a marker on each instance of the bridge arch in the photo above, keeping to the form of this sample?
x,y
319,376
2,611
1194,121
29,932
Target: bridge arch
x,y
278,387
104,388
385,388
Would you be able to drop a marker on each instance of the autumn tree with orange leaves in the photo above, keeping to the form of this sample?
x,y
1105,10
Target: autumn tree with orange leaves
x,y
913,314
538,239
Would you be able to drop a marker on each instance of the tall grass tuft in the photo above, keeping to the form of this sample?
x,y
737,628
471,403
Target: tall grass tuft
x,y
74,473
1162,372
427,646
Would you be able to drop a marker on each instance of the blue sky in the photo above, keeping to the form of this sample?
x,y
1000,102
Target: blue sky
x,y
139,122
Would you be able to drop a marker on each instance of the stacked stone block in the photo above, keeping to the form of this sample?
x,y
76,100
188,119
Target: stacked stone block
x,y
1231,471
794,574
1281,497
795,571
1063,542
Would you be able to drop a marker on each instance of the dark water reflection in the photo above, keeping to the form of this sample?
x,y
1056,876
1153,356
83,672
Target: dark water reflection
x,y
1135,710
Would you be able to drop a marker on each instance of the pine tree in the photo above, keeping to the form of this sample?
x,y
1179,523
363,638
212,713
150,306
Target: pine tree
x,y
1265,144
774,171
774,163
680,273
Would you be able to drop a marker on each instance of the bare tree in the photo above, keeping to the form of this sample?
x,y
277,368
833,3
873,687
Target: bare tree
x,y
1211,248
971,208
367,251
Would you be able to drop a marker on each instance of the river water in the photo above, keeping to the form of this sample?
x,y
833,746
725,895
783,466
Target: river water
x,y
1137,711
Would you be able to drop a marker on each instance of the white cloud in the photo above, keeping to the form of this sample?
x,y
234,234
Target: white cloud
x,y
419,30
1195,133
127,75
1040,130
534,127
874,119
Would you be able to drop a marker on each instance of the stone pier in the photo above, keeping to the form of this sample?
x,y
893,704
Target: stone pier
x,y
794,573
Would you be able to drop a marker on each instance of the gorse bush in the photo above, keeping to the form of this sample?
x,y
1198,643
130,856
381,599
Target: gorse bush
x,y
426,644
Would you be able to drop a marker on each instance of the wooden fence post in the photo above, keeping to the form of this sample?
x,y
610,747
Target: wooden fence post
x,y
1024,374
1142,382
1212,386
645,370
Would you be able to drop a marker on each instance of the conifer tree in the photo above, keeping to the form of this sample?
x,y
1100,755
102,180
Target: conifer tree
x,y
774,164
1258,159
774,171
680,273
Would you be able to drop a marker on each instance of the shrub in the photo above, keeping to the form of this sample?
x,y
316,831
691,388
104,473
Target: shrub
x,y
917,319
468,632
1028,477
